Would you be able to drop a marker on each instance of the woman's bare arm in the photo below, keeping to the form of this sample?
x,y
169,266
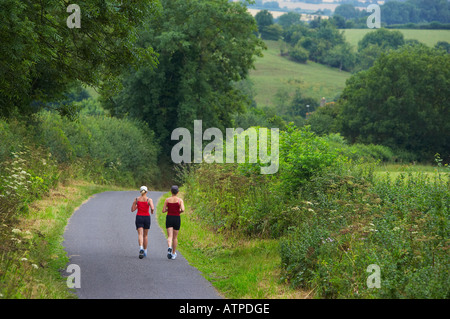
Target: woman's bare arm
x,y
181,206
151,205
134,206
165,206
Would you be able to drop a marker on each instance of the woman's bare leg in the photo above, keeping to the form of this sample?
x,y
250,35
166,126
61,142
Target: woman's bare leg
x,y
145,239
175,240
140,231
169,236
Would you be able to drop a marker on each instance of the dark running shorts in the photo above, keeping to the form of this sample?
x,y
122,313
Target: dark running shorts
x,y
173,221
143,221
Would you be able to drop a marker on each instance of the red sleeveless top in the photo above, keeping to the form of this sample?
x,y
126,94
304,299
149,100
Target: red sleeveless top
x,y
143,208
173,209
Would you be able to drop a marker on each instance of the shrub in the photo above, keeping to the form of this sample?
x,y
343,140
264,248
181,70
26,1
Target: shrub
x,y
299,53
302,155
119,150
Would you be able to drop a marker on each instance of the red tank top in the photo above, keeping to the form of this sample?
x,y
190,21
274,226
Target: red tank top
x,y
173,209
143,208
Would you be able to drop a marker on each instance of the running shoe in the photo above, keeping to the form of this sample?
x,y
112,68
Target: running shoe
x,y
169,253
174,255
141,254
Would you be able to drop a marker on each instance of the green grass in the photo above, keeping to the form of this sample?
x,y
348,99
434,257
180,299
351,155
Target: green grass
x,y
394,170
31,266
428,37
236,267
274,72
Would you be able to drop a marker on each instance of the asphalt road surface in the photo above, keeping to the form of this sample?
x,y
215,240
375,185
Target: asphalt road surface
x,y
101,239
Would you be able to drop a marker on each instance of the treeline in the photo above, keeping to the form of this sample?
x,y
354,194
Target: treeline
x,y
387,104
321,41
411,14
435,13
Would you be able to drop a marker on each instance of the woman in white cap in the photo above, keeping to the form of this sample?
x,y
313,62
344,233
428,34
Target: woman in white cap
x,y
143,205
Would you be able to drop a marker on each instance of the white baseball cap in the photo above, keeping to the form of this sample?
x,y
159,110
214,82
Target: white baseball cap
x,y
144,188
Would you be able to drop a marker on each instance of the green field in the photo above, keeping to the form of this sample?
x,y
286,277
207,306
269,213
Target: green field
x,y
407,171
273,72
428,37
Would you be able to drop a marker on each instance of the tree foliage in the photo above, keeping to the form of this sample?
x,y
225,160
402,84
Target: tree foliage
x,y
203,47
40,56
323,43
401,102
376,42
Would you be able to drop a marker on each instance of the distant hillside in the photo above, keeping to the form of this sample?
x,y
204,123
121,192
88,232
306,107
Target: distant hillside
x,y
428,37
274,72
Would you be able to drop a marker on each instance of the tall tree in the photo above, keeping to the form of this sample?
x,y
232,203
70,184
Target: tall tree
x,y
341,56
289,19
264,20
204,46
347,11
376,42
401,102
40,56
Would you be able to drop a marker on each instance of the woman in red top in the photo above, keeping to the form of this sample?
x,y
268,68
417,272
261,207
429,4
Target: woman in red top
x,y
173,206
143,221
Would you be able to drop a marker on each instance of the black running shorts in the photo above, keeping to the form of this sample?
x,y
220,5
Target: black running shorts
x,y
173,222
143,222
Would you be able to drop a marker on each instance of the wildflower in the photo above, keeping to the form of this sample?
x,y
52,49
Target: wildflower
x,y
311,210
34,266
23,259
16,231
329,240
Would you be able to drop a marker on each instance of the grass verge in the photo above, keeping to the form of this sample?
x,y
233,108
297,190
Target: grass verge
x,y
239,268
31,264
